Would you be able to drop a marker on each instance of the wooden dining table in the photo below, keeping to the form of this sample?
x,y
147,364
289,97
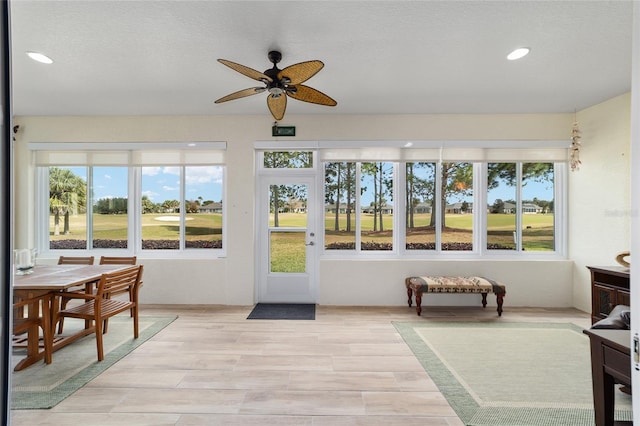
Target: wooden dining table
x,y
52,280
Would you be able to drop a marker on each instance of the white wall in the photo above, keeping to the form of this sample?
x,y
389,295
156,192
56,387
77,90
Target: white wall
x,y
230,280
599,193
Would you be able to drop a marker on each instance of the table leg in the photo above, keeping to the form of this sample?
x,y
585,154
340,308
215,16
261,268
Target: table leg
x,y
33,334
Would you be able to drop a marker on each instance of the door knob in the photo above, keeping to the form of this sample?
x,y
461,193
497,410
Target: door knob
x,y
311,243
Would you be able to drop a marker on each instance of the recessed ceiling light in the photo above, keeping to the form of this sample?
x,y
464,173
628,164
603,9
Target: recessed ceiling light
x,y
40,57
518,53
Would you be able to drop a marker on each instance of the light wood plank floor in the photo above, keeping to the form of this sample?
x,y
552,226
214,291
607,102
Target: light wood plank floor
x,y
213,367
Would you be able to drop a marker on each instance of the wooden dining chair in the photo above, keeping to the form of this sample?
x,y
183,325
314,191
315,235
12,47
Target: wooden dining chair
x,y
75,260
118,260
22,323
70,260
101,305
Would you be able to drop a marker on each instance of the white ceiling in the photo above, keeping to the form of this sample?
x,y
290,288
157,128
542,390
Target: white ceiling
x,y
381,57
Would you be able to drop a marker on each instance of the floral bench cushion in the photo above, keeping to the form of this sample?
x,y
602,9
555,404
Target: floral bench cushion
x,y
454,284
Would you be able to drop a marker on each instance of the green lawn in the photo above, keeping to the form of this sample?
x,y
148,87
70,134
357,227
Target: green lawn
x,y
114,227
537,230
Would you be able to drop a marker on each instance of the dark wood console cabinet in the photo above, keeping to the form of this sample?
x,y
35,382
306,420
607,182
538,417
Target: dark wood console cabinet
x,y
610,364
609,287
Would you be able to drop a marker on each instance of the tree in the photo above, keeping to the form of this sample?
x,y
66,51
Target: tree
x,y
382,185
498,206
67,194
283,197
340,185
117,205
457,178
418,189
147,205
171,206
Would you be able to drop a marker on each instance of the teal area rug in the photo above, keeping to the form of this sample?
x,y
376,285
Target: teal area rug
x,y
510,374
44,386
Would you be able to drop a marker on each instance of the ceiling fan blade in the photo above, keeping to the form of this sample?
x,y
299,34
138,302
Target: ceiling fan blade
x,y
309,94
299,73
241,94
277,105
249,72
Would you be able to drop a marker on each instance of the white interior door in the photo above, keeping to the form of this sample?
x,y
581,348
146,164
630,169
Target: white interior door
x,y
286,254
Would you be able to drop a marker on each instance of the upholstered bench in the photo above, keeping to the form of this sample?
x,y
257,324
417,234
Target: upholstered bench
x,y
461,285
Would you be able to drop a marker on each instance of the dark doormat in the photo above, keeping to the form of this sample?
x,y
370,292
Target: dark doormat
x,y
284,311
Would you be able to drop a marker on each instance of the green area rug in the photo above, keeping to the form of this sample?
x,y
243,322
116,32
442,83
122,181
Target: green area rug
x,y
43,386
511,374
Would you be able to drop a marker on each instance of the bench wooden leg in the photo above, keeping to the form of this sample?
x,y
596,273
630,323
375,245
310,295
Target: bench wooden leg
x,y
418,302
499,299
484,300
407,281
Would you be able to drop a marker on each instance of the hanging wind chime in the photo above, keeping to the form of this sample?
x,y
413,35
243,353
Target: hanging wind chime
x,y
574,155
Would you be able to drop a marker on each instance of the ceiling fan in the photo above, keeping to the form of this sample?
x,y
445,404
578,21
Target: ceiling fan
x,y
281,84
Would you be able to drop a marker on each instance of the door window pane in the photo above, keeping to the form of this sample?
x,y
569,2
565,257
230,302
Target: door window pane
x,y
287,227
110,205
67,208
339,206
537,207
288,160
457,218
501,210
161,208
420,214
376,205
287,251
288,206
203,206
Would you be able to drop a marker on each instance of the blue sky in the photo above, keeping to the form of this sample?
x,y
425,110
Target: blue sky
x,y
158,183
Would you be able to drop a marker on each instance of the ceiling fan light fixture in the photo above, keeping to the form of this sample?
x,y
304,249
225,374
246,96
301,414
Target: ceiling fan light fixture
x,y
40,57
520,52
280,84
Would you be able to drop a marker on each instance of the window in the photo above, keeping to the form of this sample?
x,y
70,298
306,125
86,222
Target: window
x,y
420,202
458,204
67,207
161,206
376,206
365,187
538,218
520,210
340,206
129,205
110,201
288,160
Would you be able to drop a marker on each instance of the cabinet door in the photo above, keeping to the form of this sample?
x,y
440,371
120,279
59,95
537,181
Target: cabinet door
x,y
623,298
604,299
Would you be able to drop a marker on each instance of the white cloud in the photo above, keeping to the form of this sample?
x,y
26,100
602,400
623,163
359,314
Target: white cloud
x,y
151,171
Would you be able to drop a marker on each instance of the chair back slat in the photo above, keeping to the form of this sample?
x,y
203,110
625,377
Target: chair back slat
x,y
124,281
75,260
118,260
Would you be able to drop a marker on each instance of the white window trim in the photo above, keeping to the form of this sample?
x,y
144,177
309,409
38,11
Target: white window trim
x,y
185,154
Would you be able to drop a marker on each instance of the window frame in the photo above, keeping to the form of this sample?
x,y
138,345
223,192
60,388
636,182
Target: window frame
x,y
134,195
479,238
